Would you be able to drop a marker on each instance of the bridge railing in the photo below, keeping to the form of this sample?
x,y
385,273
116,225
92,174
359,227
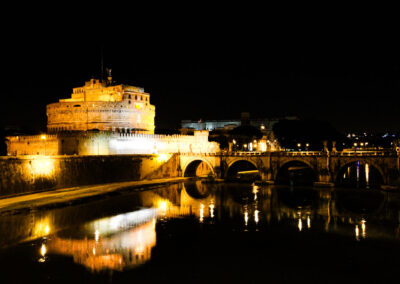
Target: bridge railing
x,y
384,153
380,153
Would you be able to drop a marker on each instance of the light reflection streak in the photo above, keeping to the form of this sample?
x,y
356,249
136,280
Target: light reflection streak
x,y
201,219
357,233
300,224
256,218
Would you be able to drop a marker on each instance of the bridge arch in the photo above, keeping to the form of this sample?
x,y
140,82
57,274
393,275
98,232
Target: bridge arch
x,y
197,167
242,165
296,171
359,173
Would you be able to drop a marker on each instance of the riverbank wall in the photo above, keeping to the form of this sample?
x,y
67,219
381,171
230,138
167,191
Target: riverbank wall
x,y
28,174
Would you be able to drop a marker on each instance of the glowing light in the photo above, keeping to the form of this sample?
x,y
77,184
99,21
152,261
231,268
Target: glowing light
x,y
43,250
256,218
212,210
201,212
42,166
363,228
357,232
246,217
255,191
96,235
138,106
367,174
43,137
42,228
162,157
308,222
300,224
94,251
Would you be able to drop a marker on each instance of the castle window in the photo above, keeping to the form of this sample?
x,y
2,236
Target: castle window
x,y
129,97
77,105
136,98
129,102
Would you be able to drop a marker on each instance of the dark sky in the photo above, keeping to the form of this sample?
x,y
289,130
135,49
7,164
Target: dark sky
x,y
347,75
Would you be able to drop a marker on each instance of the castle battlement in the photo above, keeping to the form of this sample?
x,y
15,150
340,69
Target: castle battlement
x,y
102,118
103,106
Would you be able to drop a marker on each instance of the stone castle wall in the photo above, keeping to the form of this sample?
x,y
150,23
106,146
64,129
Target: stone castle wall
x,y
38,173
86,143
123,116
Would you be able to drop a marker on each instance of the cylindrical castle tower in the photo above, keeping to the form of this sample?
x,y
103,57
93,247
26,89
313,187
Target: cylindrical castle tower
x,y
105,107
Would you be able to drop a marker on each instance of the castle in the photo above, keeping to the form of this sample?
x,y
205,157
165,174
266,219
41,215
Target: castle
x,y
103,118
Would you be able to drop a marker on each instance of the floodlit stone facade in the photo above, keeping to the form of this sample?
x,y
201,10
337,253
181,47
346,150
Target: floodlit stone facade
x,y
108,143
103,106
101,118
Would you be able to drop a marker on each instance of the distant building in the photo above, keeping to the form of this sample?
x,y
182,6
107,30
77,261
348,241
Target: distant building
x,y
264,124
224,127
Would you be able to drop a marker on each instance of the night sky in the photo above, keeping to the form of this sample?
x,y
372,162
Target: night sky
x,y
348,75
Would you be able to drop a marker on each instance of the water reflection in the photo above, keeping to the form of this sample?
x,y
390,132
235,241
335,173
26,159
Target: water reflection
x,y
124,239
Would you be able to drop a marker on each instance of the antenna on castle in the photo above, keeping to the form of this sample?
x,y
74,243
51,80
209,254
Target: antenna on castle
x,y
102,64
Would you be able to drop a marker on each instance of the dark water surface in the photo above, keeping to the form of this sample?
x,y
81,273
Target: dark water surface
x,y
208,233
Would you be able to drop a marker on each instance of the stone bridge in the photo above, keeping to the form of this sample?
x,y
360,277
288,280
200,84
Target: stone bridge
x,y
327,167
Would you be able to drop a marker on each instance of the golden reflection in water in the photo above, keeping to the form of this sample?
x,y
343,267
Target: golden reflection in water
x,y
367,175
42,227
246,217
126,241
256,217
300,224
363,229
212,206
357,232
308,222
121,250
255,191
43,251
201,218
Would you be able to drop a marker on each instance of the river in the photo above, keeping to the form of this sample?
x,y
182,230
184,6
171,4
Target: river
x,y
194,232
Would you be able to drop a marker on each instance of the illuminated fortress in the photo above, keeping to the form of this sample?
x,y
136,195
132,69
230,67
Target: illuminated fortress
x,y
102,118
103,106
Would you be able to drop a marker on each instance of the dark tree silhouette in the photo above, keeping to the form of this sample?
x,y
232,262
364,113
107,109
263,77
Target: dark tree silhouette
x,y
313,132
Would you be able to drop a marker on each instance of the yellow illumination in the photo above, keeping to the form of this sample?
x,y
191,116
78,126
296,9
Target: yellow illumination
x,y
96,235
162,157
42,228
363,228
300,224
201,212
43,166
212,210
246,218
43,137
256,218
138,106
308,222
357,232
43,250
